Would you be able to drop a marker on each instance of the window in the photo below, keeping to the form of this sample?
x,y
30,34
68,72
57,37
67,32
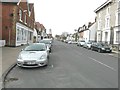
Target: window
x,y
118,36
116,20
107,22
25,19
20,15
25,34
22,31
106,36
99,24
18,34
30,35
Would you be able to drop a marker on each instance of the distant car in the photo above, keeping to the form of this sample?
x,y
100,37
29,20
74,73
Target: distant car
x,y
48,42
34,55
72,42
101,47
81,43
85,45
88,44
66,41
69,42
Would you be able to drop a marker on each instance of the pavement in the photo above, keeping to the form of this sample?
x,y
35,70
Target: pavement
x,y
9,56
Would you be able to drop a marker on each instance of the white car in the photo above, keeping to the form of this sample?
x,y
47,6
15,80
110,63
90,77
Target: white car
x,y
69,42
81,43
34,55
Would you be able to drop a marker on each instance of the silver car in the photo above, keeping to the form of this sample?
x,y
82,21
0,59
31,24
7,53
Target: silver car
x,y
34,55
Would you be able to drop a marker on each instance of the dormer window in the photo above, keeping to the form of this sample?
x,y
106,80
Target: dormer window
x,y
20,15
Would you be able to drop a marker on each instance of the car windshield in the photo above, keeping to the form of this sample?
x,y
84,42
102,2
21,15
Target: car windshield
x,y
35,47
103,44
89,43
45,41
82,41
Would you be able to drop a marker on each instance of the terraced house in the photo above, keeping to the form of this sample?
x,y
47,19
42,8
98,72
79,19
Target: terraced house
x,y
17,22
107,22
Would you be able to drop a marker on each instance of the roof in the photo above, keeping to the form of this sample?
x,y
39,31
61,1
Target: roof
x,y
103,5
9,1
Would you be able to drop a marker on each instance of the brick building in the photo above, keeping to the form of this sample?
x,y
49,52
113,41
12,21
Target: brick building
x,y
17,22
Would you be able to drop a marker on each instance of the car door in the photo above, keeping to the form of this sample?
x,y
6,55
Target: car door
x,y
96,46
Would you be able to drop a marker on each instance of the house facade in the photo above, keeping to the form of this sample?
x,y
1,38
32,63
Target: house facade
x,y
38,29
83,33
43,31
17,22
92,32
107,22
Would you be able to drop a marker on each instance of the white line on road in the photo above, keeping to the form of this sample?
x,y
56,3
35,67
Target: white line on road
x,y
102,63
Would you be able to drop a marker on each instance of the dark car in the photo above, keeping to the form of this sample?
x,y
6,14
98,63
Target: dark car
x,y
48,42
101,47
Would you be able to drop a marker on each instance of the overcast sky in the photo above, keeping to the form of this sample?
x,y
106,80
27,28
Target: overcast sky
x,y
65,15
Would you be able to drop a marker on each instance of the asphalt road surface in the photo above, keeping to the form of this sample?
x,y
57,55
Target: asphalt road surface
x,y
69,66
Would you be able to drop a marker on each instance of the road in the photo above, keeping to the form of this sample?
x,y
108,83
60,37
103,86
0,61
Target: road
x,y
69,66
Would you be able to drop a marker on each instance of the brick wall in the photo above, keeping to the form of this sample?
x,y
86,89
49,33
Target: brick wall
x,y
7,24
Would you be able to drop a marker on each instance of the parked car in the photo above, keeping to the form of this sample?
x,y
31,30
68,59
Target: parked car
x,y
85,45
81,43
48,42
66,41
72,42
34,55
69,42
88,44
101,47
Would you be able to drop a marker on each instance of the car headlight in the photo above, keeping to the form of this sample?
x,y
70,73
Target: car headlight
x,y
43,57
110,48
20,57
103,48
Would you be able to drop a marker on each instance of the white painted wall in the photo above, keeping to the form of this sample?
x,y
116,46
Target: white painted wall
x,y
86,35
93,31
104,37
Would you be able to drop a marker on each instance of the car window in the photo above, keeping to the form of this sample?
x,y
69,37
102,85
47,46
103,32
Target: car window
x,y
35,47
45,41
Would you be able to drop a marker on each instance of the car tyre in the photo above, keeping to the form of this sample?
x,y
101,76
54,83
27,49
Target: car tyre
x,y
91,48
99,50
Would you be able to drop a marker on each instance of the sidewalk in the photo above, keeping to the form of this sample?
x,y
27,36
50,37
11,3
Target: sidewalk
x,y
115,53
9,56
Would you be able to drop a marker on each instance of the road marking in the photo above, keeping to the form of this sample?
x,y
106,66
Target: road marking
x,y
102,63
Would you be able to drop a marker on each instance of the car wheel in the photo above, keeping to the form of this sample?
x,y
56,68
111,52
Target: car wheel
x,y
99,50
48,57
110,51
92,49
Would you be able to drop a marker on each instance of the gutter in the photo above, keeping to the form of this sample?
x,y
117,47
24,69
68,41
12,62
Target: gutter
x,y
103,5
